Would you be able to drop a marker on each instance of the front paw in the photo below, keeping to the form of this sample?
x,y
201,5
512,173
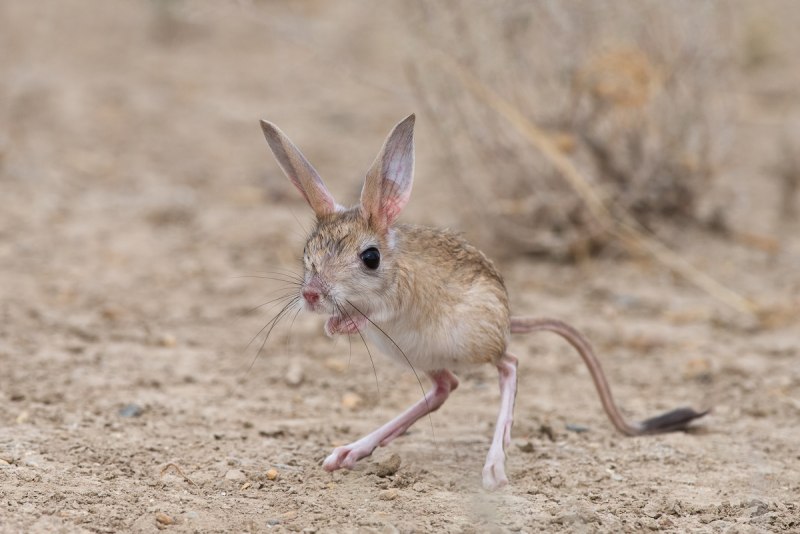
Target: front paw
x,y
345,457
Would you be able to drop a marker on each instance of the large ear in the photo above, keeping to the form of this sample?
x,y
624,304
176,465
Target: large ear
x,y
297,168
387,187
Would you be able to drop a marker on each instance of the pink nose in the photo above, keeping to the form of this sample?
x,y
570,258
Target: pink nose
x,y
311,296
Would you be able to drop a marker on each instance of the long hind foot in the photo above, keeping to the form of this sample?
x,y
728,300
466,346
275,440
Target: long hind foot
x,y
494,471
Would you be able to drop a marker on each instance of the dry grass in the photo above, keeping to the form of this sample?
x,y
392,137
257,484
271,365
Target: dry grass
x,y
787,171
620,225
633,94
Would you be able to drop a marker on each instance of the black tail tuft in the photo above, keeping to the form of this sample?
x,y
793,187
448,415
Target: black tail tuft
x,y
677,419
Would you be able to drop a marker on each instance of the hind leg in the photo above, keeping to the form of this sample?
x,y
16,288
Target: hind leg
x,y
494,471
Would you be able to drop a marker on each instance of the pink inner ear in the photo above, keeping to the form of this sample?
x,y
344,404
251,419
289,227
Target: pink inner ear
x,y
392,206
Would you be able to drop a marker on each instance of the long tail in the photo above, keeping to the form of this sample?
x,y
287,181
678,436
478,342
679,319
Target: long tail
x,y
674,420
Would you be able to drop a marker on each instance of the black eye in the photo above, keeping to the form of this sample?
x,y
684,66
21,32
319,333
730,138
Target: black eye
x,y
371,258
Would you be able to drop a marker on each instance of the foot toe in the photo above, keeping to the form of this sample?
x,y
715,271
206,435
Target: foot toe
x,y
334,460
344,457
494,477
349,460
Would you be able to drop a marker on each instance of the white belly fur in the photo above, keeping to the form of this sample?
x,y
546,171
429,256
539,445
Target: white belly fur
x,y
432,349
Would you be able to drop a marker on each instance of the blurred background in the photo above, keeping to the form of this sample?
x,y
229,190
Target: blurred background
x,y
632,166
126,121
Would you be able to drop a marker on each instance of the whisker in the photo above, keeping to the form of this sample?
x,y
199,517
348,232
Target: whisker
x,y
241,315
286,296
289,333
280,270
286,280
272,324
372,361
266,325
285,273
350,351
424,395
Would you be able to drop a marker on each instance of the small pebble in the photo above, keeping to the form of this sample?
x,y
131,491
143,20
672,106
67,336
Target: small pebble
x,y
665,523
335,364
273,474
271,433
547,430
131,410
351,400
110,313
33,460
388,467
757,508
294,375
167,340
578,429
651,509
164,519
697,369
388,495
526,447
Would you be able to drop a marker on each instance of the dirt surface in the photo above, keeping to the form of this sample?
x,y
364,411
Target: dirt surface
x,y
138,207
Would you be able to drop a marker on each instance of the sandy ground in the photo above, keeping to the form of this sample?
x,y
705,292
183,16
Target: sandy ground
x,y
139,205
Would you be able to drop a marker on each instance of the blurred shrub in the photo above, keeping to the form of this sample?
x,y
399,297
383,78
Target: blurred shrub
x,y
633,92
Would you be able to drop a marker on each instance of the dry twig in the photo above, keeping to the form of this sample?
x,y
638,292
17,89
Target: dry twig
x,y
179,471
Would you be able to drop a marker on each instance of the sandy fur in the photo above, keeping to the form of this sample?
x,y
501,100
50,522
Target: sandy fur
x,y
436,301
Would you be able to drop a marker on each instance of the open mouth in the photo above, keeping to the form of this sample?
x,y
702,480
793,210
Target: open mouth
x,y
344,325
